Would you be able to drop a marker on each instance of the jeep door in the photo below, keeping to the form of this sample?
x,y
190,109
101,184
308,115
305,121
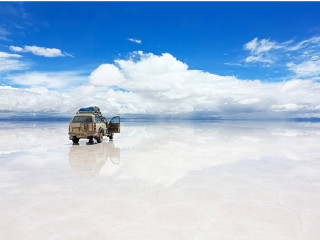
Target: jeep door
x,y
114,125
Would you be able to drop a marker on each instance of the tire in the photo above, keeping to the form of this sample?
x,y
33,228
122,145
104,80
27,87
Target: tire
x,y
75,140
91,140
100,137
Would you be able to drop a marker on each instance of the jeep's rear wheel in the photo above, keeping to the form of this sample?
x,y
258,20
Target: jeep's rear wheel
x,y
100,137
75,140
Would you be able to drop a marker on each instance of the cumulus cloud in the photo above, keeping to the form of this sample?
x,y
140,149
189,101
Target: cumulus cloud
x,y
40,51
106,75
10,62
135,40
40,100
54,80
161,85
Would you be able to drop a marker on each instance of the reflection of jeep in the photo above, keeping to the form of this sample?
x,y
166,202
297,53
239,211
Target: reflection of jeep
x,y
89,123
89,159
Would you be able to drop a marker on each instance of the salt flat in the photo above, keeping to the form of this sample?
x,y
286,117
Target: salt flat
x,y
162,180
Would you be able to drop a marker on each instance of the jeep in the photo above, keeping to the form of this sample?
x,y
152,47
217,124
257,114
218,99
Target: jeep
x,y
89,123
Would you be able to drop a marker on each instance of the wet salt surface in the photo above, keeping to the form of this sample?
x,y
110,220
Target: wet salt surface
x,y
158,180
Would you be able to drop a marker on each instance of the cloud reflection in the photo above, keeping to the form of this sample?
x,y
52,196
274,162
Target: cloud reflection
x,y
177,180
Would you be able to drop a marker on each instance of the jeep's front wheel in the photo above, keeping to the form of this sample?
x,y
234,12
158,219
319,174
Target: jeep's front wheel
x,y
75,140
100,137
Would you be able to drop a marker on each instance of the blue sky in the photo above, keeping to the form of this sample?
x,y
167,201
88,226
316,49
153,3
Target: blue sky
x,y
59,45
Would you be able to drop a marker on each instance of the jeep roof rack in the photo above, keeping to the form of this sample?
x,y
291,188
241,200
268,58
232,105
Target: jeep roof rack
x,y
91,110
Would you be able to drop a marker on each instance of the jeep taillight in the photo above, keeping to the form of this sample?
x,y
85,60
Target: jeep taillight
x,y
94,127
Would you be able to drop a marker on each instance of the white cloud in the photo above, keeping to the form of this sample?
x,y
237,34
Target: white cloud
x,y
40,51
106,75
10,62
48,79
161,85
300,58
9,55
135,40
310,68
305,43
259,50
40,100
264,45
4,34
258,58
16,49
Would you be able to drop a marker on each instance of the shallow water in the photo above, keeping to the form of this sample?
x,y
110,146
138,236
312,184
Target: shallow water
x,y
162,180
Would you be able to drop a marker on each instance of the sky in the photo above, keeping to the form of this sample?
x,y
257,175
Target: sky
x,y
160,59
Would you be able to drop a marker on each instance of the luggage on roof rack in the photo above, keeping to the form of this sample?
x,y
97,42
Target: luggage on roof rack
x,y
90,109
87,109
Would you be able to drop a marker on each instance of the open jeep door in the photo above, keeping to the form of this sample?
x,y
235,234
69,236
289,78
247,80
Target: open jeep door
x,y
114,125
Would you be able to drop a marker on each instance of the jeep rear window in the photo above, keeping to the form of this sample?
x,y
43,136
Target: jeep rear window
x,y
80,119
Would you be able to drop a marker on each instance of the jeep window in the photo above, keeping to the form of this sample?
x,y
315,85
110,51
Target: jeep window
x,y
80,119
97,119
